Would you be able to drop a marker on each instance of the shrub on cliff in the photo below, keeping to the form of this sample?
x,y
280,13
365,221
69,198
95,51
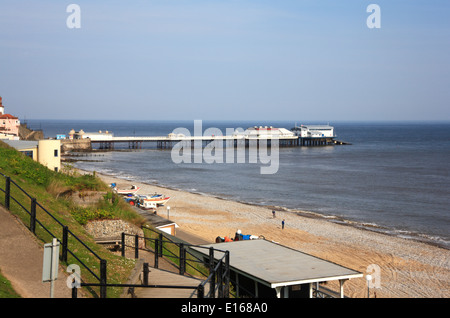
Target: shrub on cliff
x,y
84,215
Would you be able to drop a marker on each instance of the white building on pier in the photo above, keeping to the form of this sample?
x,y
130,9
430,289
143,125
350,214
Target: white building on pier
x,y
314,131
268,132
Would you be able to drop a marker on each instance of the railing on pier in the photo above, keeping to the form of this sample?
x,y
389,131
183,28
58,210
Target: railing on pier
x,y
169,142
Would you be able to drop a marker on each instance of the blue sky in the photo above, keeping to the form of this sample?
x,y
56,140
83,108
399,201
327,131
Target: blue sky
x,y
236,59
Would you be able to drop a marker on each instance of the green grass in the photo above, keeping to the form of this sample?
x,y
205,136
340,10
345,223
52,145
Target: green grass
x,y
53,190
6,290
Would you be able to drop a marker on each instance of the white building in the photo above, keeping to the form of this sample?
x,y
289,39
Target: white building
x,y
100,135
46,151
2,108
314,131
268,131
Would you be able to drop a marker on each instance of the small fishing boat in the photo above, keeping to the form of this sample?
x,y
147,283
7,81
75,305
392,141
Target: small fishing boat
x,y
147,205
159,199
133,189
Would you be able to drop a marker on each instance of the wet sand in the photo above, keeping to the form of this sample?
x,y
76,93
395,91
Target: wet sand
x,y
408,268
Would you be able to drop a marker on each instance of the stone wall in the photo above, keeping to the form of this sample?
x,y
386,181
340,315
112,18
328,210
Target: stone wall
x,y
87,198
113,229
76,145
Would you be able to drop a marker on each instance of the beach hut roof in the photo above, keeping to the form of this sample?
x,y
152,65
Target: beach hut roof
x,y
275,265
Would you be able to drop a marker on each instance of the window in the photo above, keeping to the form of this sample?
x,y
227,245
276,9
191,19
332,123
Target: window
x,y
28,153
56,152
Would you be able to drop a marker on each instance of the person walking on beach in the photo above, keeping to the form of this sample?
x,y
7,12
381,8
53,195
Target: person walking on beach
x,y
273,214
282,224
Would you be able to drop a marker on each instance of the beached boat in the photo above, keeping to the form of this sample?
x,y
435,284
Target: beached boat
x,y
132,190
159,199
145,205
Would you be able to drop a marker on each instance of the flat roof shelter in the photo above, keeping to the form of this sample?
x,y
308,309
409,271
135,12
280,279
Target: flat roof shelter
x,y
270,269
160,223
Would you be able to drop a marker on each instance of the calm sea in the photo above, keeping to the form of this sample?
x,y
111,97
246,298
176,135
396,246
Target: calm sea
x,y
393,178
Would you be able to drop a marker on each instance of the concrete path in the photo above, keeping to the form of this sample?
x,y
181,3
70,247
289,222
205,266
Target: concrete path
x,y
166,274
162,277
21,260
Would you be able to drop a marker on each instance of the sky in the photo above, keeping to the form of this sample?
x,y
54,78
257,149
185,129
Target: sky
x,y
226,60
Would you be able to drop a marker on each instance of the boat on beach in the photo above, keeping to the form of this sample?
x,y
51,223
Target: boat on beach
x,y
132,190
158,199
147,205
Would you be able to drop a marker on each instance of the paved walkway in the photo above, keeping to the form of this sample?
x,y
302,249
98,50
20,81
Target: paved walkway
x,y
166,275
21,260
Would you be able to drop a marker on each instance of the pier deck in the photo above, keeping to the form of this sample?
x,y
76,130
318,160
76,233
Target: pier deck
x,y
168,142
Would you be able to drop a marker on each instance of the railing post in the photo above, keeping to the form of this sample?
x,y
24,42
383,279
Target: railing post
x,y
182,259
7,192
65,243
123,244
220,279
156,252
201,291
33,216
103,278
74,292
227,275
136,246
161,244
146,271
212,273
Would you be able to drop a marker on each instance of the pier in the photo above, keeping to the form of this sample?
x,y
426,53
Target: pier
x,y
163,142
253,136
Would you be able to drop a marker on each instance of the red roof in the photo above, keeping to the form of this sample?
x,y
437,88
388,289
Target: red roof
x,y
8,116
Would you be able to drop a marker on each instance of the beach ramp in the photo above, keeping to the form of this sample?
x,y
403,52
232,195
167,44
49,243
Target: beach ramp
x,y
260,268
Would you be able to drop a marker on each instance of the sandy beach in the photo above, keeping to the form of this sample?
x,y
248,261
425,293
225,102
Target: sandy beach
x,y
409,269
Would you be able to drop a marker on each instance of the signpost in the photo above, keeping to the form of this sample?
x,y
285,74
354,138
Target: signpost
x,y
51,262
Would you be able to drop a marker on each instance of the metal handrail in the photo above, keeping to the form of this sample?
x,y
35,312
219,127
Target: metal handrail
x,y
215,271
102,279
35,220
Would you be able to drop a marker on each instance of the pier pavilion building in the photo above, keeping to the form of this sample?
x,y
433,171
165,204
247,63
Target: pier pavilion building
x,y
314,135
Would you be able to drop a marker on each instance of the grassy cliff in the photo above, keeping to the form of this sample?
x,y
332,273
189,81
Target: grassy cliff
x,y
54,191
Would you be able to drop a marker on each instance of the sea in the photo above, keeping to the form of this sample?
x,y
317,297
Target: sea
x,y
392,177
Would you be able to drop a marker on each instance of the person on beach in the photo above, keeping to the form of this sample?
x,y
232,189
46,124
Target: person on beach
x,y
282,224
273,214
